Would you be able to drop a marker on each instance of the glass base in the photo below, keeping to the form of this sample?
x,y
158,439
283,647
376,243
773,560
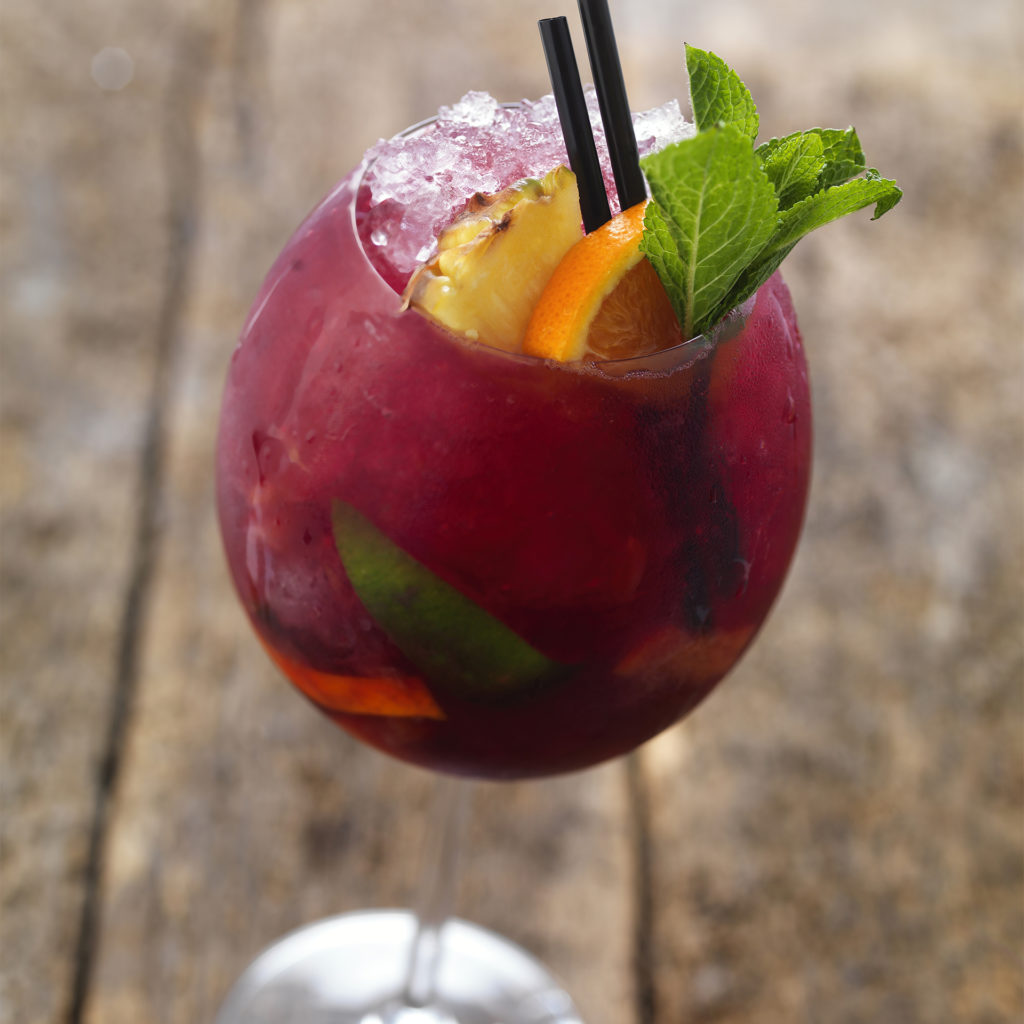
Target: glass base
x,y
350,969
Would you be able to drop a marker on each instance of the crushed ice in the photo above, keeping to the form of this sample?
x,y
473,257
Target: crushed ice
x,y
420,181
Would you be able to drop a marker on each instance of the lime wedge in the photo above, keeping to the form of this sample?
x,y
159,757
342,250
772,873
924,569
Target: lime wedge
x,y
459,647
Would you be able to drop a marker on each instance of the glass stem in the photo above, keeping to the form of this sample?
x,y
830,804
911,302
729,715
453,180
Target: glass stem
x,y
437,884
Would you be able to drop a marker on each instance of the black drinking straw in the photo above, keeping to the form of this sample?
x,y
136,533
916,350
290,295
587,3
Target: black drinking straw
x,y
611,94
575,121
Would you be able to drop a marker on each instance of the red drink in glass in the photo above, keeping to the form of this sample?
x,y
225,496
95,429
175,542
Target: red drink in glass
x,y
489,564
503,566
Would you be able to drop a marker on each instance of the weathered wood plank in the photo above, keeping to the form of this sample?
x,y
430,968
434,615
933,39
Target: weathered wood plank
x,y
834,837
549,866
240,813
838,833
82,269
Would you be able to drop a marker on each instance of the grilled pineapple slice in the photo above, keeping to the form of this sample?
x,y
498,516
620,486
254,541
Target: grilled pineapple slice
x,y
494,260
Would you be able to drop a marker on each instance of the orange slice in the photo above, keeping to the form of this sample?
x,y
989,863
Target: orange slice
x,y
695,658
604,299
393,697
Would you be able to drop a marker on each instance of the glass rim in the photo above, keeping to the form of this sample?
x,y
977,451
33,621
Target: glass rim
x,y
651,364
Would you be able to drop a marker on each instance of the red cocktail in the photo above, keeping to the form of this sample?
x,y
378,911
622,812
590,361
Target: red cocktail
x,y
613,533
495,564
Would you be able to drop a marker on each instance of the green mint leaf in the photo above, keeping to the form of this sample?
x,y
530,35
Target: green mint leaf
x,y
724,216
841,155
714,210
717,95
662,243
794,167
844,159
807,162
458,646
802,218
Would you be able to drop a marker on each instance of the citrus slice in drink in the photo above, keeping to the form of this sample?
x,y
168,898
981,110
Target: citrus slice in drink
x,y
387,696
493,261
462,649
604,299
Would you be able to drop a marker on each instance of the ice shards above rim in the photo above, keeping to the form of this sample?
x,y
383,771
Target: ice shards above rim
x,y
419,183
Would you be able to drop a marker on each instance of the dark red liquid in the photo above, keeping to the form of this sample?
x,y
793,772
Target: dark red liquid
x,y
631,531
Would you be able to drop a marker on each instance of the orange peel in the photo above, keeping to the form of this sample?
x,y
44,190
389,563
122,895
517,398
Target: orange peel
x,y
390,696
604,299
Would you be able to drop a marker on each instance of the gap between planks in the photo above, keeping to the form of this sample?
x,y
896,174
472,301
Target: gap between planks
x,y
183,97
638,796
179,130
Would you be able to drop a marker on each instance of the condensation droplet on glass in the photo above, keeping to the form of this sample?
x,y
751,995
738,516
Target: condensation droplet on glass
x,y
315,324
112,68
744,580
270,454
789,410
379,236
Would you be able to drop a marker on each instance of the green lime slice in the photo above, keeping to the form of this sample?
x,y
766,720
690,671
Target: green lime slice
x,y
459,647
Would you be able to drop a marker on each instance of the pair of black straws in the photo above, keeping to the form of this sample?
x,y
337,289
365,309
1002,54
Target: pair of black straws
x,y
575,121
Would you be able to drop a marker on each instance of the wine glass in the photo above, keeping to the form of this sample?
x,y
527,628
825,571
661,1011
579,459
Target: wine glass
x,y
490,566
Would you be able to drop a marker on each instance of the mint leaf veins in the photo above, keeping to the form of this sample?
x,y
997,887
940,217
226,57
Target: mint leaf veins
x,y
725,215
717,95
713,205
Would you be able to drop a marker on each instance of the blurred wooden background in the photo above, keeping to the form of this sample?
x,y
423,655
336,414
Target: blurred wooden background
x,y
835,837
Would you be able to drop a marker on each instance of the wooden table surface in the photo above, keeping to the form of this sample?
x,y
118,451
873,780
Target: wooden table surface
x,y
835,837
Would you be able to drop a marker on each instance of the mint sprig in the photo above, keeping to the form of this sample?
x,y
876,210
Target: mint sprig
x,y
712,204
717,95
804,163
725,215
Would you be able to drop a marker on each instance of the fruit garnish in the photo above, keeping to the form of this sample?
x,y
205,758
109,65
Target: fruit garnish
x,y
389,696
725,215
700,657
459,647
604,300
494,260
512,270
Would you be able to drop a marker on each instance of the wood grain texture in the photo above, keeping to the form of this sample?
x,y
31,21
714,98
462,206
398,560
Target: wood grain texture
x,y
81,369
836,836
